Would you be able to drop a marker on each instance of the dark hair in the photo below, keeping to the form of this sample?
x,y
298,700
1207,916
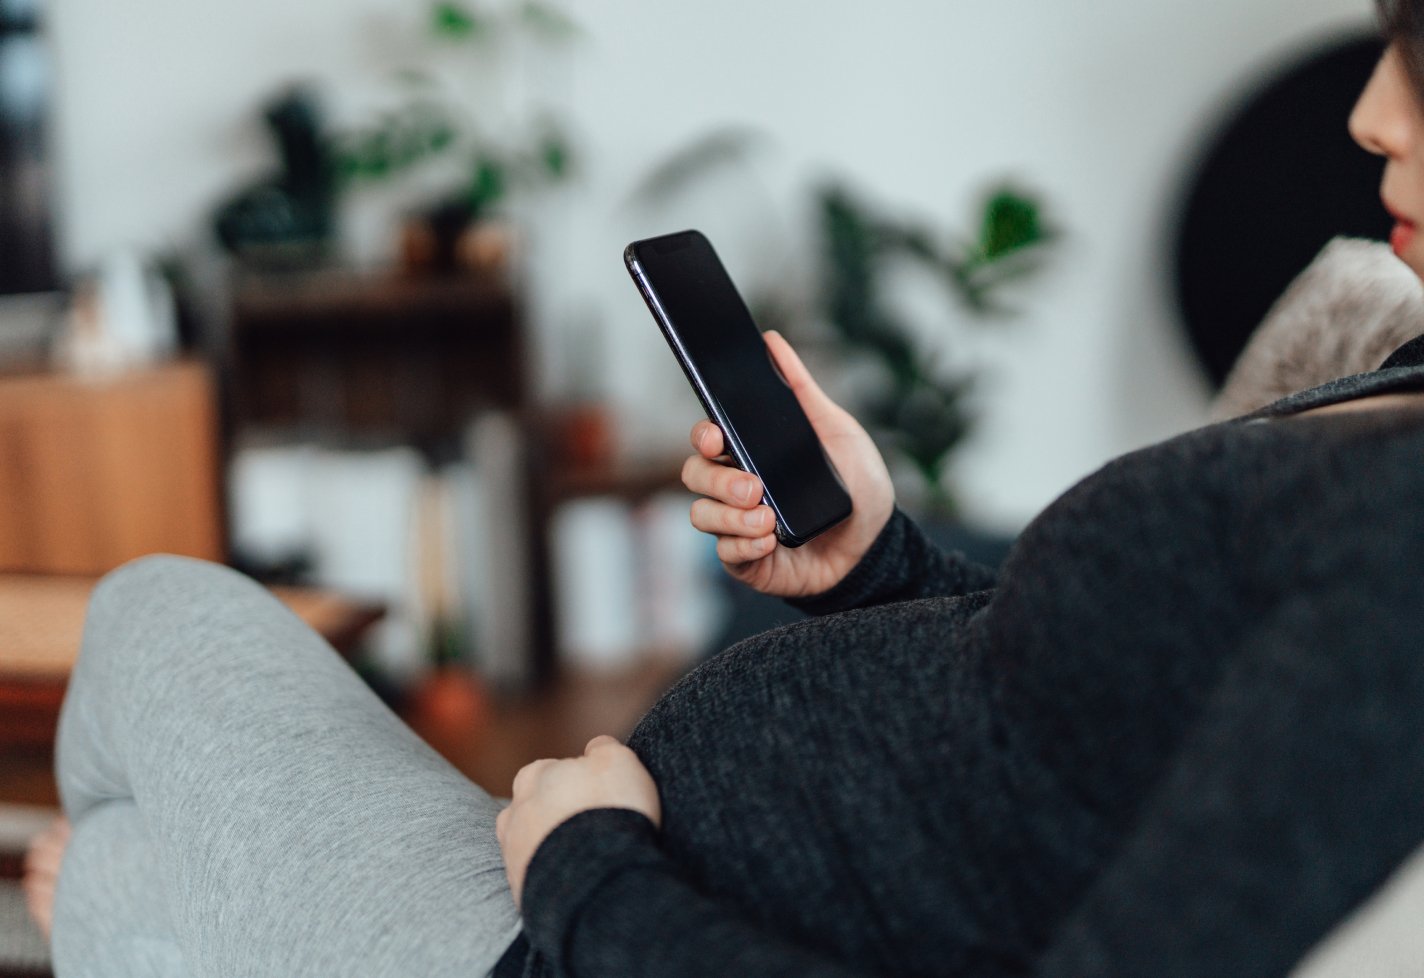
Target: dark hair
x,y
1402,23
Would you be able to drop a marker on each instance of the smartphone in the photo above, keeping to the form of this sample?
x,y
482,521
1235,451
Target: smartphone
x,y
711,332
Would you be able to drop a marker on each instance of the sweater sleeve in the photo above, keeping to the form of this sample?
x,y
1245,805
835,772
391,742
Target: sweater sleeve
x,y
901,565
602,900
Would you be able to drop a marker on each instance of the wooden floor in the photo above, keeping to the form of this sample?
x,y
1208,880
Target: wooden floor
x,y
487,738
557,723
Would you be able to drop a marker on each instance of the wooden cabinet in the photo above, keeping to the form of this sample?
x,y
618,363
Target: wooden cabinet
x,y
95,473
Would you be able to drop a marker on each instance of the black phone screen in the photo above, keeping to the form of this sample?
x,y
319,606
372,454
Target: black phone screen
x,y
711,330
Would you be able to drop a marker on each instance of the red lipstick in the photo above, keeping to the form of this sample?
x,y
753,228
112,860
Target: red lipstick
x,y
1403,234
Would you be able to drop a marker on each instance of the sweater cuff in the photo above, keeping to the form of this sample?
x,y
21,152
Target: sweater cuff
x,y
578,858
880,573
876,572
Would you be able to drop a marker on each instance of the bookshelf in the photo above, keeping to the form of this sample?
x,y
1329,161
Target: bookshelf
x,y
418,360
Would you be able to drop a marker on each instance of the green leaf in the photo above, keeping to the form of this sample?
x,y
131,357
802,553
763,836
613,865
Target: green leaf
x,y
347,164
888,339
487,185
442,137
378,153
395,142
851,272
1011,223
555,156
932,419
456,21
922,415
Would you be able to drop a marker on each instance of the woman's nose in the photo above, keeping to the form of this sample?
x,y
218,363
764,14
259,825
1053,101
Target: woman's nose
x,y
1384,118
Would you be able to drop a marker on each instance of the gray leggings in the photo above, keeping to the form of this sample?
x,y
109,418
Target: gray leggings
x,y
243,805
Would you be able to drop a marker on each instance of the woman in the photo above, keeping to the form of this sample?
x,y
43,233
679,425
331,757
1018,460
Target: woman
x,y
1180,735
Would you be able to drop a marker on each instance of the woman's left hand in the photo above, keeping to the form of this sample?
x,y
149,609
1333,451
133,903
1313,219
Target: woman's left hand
x,y
548,793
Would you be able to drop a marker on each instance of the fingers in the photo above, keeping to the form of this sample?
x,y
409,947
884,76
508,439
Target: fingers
x,y
39,892
39,902
732,510
744,527
719,520
46,850
743,550
44,860
721,482
707,439
528,776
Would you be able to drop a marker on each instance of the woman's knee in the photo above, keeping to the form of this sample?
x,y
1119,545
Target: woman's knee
x,y
136,605
163,579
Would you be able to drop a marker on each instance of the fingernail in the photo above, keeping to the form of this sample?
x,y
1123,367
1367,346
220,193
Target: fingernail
x,y
744,490
754,518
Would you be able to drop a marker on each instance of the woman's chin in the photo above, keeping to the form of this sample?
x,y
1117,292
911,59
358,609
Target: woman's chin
x,y
1411,252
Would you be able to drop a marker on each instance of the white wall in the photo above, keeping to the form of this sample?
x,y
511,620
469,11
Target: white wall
x,y
1098,105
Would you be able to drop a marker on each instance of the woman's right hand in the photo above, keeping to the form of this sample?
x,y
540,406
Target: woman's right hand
x,y
732,511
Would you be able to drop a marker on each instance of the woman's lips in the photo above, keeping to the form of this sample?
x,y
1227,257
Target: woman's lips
x,y
1403,234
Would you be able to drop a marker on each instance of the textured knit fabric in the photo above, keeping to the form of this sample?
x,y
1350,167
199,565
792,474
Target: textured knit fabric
x,y
244,806
1184,735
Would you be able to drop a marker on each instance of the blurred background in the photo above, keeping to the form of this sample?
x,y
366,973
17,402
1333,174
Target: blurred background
x,y
333,292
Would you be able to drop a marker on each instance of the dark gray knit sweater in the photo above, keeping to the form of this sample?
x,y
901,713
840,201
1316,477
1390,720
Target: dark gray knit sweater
x,y
1183,735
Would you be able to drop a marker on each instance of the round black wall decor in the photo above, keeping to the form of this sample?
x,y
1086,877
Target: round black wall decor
x,y
1277,181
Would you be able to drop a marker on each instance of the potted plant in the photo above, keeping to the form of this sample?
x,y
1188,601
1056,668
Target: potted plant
x,y
435,120
920,409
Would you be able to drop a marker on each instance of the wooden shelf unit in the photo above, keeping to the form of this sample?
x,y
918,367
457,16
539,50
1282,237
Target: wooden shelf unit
x,y
96,472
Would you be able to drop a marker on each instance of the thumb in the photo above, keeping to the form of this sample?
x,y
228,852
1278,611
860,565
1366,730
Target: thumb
x,y
818,407
602,740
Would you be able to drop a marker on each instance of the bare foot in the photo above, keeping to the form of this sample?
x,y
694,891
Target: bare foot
x,y
42,872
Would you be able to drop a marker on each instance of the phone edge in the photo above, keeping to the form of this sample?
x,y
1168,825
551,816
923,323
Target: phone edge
x,y
694,379
710,407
